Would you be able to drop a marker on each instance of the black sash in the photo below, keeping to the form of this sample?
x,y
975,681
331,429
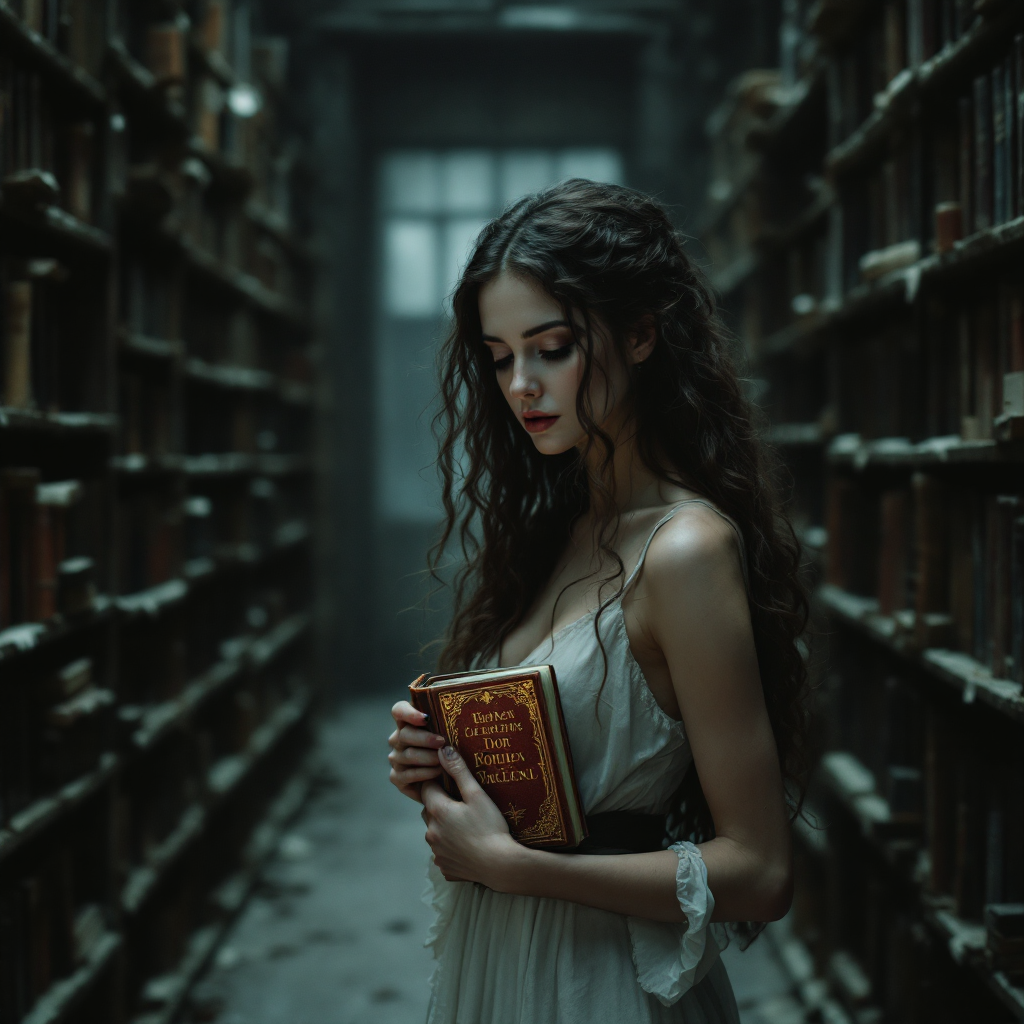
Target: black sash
x,y
623,832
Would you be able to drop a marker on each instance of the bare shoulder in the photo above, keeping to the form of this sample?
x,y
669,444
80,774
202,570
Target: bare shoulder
x,y
696,546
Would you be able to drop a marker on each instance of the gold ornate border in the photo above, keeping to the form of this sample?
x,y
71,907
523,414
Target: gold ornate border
x,y
548,825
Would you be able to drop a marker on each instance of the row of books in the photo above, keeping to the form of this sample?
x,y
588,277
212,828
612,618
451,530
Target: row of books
x,y
75,28
44,157
47,544
48,925
956,369
956,177
945,561
931,791
898,35
946,786
53,732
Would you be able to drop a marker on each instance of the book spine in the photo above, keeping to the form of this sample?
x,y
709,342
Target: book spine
x,y
1010,145
18,308
1018,61
982,153
1017,599
965,109
999,182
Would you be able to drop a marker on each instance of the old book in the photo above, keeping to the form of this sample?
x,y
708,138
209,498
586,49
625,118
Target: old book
x,y
982,153
165,46
18,344
999,146
965,111
507,724
1018,63
17,548
894,551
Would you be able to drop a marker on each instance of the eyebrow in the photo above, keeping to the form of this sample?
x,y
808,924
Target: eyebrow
x,y
531,331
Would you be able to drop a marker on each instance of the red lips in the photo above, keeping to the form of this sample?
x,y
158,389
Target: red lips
x,y
538,422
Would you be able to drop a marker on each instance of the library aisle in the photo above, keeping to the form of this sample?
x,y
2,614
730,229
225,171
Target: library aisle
x,y
334,933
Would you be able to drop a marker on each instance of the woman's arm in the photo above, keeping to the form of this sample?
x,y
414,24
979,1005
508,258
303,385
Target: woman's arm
x,y
692,606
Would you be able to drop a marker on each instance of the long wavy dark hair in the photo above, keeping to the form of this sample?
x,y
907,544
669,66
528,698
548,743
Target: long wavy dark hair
x,y
611,258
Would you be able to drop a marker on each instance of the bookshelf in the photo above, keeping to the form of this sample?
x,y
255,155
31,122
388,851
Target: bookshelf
x,y
865,230
156,495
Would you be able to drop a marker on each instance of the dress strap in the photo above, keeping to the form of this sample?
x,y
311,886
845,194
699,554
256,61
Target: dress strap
x,y
667,516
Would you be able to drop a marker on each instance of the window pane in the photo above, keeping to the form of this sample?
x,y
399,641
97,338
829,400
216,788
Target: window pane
x,y
410,182
459,236
595,164
410,268
524,171
467,182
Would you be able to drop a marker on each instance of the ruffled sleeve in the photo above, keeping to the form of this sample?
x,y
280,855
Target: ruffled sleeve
x,y
671,958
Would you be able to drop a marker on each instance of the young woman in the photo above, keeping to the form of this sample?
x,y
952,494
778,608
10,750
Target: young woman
x,y
618,521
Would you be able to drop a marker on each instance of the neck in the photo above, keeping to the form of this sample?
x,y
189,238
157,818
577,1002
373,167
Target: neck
x,y
627,483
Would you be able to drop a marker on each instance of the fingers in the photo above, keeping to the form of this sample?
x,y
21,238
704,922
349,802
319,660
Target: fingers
x,y
404,713
406,777
406,736
403,757
435,800
452,762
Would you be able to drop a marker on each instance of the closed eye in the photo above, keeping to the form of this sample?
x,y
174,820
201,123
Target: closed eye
x,y
555,355
552,355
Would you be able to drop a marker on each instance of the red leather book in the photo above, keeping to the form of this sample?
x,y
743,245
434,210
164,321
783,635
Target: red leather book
x,y
507,725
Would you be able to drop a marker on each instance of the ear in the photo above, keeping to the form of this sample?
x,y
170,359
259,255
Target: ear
x,y
642,340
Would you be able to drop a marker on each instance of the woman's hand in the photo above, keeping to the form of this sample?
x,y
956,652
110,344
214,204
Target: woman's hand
x,y
414,750
470,840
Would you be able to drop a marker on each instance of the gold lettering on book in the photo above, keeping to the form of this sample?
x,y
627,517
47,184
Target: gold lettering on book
x,y
504,757
490,730
498,754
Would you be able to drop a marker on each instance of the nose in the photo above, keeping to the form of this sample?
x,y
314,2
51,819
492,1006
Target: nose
x,y
524,382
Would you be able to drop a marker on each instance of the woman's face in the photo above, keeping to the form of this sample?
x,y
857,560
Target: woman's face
x,y
539,367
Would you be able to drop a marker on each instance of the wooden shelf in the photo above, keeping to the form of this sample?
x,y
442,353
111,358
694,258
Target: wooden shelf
x,y
275,225
57,1003
797,435
154,600
162,349
160,720
26,637
798,963
35,819
265,649
142,88
74,80
58,226
230,377
722,205
898,452
957,670
729,278
68,423
900,100
137,464
144,879
854,787
243,464
244,286
224,777
786,120
171,990
972,255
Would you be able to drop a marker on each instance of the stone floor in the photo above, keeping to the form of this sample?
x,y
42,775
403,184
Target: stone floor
x,y
334,933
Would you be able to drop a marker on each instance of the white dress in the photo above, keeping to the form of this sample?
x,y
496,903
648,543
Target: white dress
x,y
505,959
